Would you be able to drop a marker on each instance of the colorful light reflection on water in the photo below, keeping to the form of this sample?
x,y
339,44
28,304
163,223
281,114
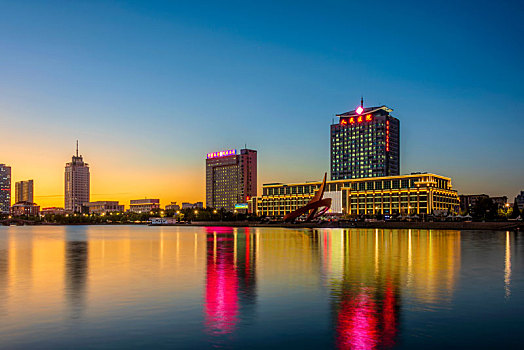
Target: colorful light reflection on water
x,y
190,287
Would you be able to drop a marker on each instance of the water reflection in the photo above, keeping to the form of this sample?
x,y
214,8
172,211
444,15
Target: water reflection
x,y
507,266
230,278
367,269
353,289
76,270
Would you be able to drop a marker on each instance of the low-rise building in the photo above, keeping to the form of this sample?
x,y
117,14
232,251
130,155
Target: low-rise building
x,y
100,207
197,205
418,193
52,211
469,201
25,208
144,205
173,206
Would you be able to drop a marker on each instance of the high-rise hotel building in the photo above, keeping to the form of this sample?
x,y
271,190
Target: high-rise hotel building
x,y
76,183
365,143
24,191
231,178
5,188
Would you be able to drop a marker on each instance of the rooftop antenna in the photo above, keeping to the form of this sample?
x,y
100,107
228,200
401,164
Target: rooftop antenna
x,y
361,101
77,148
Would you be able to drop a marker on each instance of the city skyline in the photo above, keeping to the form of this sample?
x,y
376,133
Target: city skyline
x,y
126,81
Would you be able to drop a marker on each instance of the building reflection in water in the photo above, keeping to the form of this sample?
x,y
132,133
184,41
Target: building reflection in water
x,y
76,270
507,266
366,269
230,294
4,272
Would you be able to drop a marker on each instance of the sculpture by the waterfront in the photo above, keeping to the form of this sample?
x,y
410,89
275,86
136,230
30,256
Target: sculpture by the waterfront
x,y
316,206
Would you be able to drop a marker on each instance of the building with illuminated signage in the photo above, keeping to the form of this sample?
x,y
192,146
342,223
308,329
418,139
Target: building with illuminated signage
x,y
24,191
418,193
77,183
365,143
231,178
5,188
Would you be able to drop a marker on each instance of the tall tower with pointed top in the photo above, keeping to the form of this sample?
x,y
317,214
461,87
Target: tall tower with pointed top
x,y
77,183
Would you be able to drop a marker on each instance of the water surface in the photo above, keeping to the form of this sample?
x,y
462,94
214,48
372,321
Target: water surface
x,y
191,287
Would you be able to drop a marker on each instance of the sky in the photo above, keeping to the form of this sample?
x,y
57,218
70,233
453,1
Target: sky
x,y
150,87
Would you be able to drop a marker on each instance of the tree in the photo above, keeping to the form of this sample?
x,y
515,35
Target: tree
x,y
516,211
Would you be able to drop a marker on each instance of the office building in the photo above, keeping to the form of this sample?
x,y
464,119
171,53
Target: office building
x,y
77,187
5,188
365,143
144,205
231,178
24,191
418,193
102,207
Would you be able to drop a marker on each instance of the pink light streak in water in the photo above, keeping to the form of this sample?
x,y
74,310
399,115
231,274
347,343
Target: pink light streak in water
x,y
221,308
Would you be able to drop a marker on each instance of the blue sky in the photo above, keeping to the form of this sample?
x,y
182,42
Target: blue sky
x,y
151,87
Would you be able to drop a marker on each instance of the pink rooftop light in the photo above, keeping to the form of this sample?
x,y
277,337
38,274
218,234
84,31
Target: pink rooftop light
x,y
359,110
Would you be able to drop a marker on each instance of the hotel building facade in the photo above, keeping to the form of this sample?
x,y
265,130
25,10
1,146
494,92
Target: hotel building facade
x,y
231,178
5,188
418,193
365,143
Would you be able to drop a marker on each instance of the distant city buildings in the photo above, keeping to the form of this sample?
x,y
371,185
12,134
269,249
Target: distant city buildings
x,y
25,208
24,191
77,183
500,201
365,143
196,205
520,200
144,205
5,188
52,211
101,207
231,178
413,194
173,206
469,201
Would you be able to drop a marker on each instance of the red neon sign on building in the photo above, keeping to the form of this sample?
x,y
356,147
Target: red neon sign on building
x,y
359,119
387,136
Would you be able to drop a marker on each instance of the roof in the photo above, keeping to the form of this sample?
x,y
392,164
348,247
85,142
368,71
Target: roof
x,y
365,111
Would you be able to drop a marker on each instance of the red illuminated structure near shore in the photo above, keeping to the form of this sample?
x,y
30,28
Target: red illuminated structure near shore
x,y
313,206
